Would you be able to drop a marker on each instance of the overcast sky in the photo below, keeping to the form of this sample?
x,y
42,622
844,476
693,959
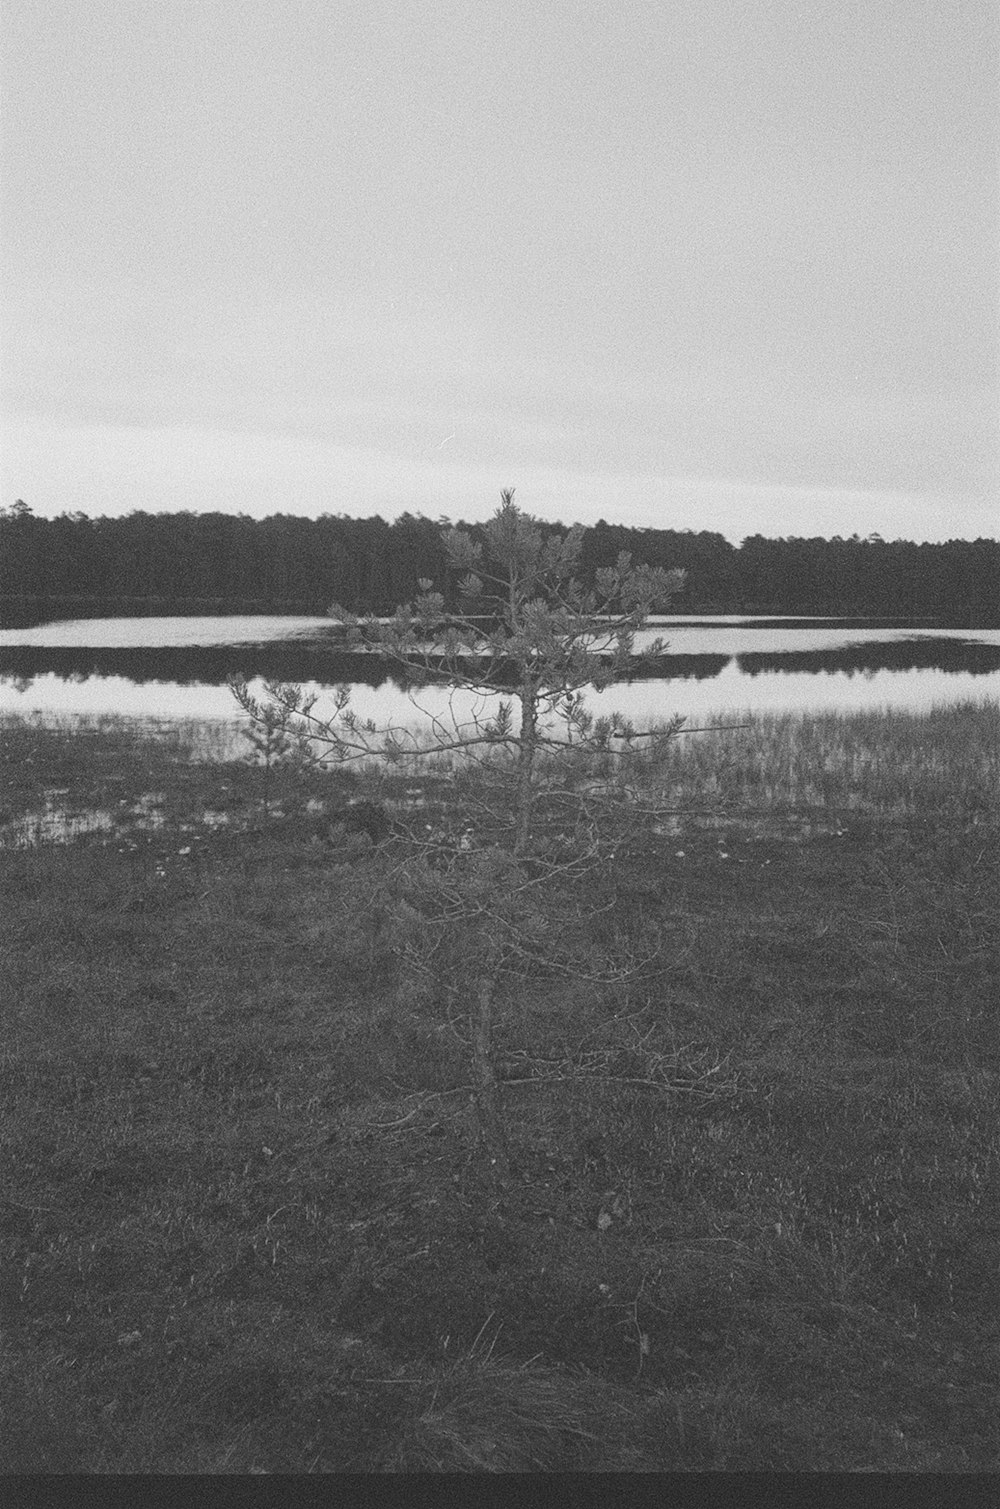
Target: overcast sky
x,y
708,264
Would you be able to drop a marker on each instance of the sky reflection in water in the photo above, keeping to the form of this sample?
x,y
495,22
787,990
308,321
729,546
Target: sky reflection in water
x,y
721,687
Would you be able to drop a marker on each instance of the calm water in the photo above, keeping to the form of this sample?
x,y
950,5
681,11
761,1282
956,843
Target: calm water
x,y
176,668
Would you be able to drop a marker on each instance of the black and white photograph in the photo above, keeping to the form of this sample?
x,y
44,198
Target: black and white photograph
x,y
500,744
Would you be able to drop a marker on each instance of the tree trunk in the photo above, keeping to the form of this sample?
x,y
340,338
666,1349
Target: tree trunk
x,y
486,1093
527,746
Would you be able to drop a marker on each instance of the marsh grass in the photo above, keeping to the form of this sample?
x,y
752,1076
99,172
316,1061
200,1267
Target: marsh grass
x,y
879,763
752,1221
876,764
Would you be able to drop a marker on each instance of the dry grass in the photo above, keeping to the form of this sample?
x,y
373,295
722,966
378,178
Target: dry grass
x,y
486,1412
752,1220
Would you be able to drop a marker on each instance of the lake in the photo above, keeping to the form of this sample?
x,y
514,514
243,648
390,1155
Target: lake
x,y
177,668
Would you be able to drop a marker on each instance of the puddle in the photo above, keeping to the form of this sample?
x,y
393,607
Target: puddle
x,y
147,812
214,820
57,823
60,822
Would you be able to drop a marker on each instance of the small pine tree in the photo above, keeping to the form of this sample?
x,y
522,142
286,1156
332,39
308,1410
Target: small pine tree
x,y
275,738
528,638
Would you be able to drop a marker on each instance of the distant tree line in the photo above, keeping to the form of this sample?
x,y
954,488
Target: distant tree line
x,y
217,562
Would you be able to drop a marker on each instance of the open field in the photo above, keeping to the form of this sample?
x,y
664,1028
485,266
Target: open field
x,y
753,1219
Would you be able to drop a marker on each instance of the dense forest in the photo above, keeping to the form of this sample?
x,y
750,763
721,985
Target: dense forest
x,y
216,562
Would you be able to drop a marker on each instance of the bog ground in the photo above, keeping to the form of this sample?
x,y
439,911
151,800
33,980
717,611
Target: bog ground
x,y
753,1216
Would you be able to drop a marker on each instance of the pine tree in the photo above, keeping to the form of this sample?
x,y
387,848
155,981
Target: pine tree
x,y
528,639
